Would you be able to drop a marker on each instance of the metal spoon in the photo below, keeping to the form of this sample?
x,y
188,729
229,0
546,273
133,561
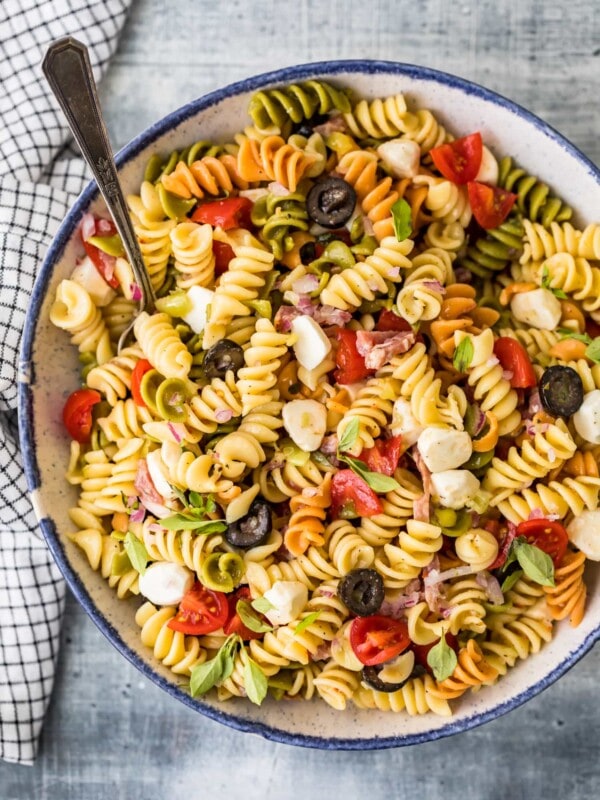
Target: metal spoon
x,y
68,71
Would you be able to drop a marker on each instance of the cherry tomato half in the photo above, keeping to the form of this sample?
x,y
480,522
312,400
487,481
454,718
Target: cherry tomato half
x,y
383,457
104,263
201,611
77,413
351,496
234,624
490,204
350,365
513,357
377,639
549,535
223,254
232,212
141,368
459,161
388,321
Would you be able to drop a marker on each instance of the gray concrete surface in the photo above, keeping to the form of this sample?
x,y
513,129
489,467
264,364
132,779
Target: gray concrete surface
x,y
112,734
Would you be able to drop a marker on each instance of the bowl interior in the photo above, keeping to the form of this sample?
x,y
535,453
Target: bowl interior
x,y
50,370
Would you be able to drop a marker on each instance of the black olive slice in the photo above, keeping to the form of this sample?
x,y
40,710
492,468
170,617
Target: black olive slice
x,y
223,356
331,202
253,529
362,591
561,391
370,676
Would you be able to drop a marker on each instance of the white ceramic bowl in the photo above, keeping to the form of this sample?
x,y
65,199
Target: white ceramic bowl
x,y
49,373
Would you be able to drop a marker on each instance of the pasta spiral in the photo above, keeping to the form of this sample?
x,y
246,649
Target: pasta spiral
x,y
74,312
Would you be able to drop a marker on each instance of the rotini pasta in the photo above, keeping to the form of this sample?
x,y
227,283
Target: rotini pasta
x,y
343,426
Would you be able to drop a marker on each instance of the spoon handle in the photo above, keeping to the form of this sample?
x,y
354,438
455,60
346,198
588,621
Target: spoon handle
x,y
68,71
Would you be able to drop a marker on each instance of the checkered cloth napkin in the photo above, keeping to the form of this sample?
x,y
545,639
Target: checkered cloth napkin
x,y
40,176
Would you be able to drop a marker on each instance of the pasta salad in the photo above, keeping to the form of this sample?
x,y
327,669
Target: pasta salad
x,y
352,454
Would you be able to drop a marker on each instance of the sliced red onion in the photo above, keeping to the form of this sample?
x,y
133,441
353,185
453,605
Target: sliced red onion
x,y
138,514
410,597
434,576
136,292
535,403
284,316
533,428
329,445
275,463
551,453
378,347
104,227
253,194
335,124
305,304
306,284
158,509
491,585
507,374
492,362
223,415
323,652
434,286
154,527
87,226
463,275
475,519
537,513
393,273
368,226
174,432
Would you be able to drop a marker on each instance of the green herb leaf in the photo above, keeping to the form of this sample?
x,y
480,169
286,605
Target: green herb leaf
x,y
205,676
546,285
536,564
463,355
250,619
350,435
401,219
255,682
179,494
442,660
566,333
510,580
512,553
308,620
184,522
136,551
592,351
262,605
378,482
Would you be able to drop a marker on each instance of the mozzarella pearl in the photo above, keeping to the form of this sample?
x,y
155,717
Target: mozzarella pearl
x,y
453,488
165,583
404,423
488,171
288,599
311,345
538,308
584,533
443,448
401,157
200,298
587,417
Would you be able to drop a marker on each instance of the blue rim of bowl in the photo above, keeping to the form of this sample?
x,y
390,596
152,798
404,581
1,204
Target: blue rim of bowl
x,y
282,76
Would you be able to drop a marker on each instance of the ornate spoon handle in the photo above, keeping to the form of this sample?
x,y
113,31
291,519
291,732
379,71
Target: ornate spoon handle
x,y
68,71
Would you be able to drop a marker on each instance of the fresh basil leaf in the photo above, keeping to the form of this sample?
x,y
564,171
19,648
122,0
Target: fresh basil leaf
x,y
255,682
566,333
378,482
262,605
536,564
350,435
463,355
182,522
546,285
510,580
512,553
250,619
592,351
401,219
442,660
308,620
205,676
138,555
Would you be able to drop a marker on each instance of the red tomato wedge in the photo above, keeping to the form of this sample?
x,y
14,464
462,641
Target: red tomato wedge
x,y
234,624
513,357
201,611
350,365
421,651
592,328
490,204
77,413
141,368
232,212
383,457
351,496
549,535
459,161
377,639
388,321
223,254
104,263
